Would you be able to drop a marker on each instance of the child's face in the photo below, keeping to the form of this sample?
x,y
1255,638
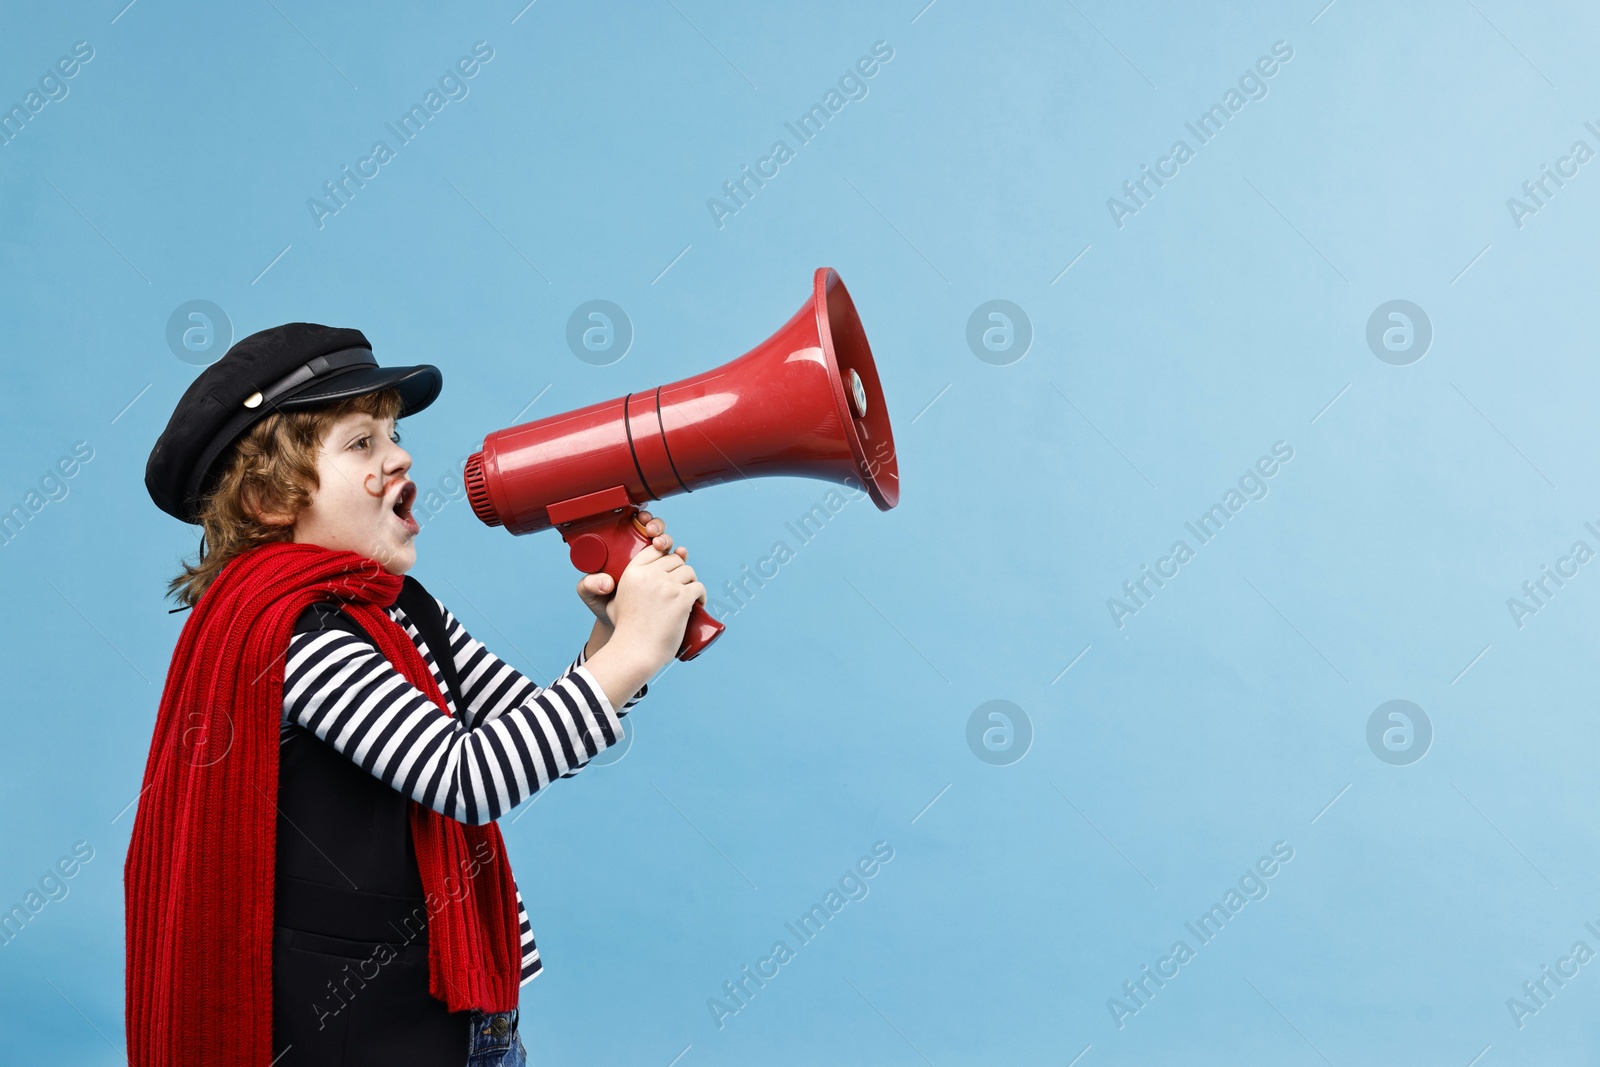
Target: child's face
x,y
363,503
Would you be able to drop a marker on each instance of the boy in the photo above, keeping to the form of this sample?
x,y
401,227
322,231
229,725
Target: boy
x,y
344,896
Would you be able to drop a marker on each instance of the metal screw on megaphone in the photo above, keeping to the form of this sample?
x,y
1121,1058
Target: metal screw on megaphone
x,y
858,394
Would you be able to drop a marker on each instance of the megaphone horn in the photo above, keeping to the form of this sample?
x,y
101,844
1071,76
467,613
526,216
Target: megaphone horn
x,y
806,402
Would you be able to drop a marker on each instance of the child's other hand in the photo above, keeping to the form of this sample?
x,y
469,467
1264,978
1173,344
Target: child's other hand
x,y
596,590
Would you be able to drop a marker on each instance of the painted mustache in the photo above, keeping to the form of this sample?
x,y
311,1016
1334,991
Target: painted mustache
x,y
384,489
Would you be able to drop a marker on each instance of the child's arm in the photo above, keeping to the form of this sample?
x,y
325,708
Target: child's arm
x,y
341,688
337,685
491,686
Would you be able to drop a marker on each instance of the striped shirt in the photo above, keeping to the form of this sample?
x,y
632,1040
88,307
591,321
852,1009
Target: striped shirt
x,y
512,739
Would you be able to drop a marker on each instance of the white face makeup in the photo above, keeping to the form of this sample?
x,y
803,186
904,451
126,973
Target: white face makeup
x,y
363,503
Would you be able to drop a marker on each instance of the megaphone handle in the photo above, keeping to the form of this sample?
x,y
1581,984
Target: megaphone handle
x,y
607,542
701,631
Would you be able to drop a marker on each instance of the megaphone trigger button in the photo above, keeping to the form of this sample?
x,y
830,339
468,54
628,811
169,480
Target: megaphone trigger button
x,y
588,552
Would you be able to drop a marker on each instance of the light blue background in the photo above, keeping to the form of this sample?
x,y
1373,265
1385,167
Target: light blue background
x,y
1228,314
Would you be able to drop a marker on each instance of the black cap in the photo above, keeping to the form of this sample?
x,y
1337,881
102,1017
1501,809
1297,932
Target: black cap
x,y
296,365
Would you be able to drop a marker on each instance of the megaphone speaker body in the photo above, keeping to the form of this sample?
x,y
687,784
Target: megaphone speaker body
x,y
806,402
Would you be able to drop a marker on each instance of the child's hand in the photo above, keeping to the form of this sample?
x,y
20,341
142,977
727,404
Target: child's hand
x,y
647,613
596,589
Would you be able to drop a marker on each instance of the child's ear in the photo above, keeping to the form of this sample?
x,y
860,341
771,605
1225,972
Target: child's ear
x,y
266,516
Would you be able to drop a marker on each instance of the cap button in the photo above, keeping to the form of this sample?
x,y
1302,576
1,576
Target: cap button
x,y
253,400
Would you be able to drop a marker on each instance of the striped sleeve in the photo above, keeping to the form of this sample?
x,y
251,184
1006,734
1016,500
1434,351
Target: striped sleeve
x,y
340,687
531,964
491,686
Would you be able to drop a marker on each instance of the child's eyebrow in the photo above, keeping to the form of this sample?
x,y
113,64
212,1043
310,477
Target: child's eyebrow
x,y
364,422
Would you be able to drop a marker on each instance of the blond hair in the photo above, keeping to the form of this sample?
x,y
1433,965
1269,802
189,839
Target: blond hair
x,y
274,465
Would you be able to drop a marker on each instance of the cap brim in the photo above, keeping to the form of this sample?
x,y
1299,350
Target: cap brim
x,y
418,386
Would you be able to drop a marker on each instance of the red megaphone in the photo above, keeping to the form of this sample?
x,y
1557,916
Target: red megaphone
x,y
805,402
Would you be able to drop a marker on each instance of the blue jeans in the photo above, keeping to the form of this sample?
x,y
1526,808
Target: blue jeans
x,y
495,1041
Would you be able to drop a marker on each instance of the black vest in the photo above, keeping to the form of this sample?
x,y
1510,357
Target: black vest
x,y
347,885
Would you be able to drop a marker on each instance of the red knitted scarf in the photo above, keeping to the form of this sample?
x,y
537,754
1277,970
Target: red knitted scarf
x,y
199,872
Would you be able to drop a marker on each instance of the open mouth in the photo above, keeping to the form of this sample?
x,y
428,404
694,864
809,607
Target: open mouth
x,y
403,502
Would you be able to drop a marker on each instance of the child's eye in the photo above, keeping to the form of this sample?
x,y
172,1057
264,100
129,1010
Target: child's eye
x,y
361,442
